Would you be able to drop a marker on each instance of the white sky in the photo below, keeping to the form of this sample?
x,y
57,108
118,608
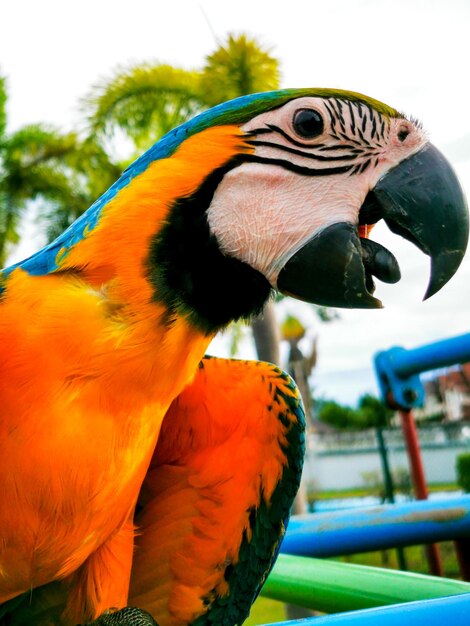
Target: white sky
x,y
411,54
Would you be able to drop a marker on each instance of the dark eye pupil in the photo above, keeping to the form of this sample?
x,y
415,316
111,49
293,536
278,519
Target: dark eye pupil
x,y
308,123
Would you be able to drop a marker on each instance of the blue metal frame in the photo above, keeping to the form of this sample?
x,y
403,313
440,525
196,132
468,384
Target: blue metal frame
x,y
454,611
398,369
346,532
378,528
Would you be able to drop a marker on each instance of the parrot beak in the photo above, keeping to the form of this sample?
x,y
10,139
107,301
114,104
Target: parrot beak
x,y
419,199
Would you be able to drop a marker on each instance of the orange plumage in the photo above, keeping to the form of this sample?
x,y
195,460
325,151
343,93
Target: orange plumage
x,y
87,373
222,451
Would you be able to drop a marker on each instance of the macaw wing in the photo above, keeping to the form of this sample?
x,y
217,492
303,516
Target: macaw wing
x,y
215,503
217,497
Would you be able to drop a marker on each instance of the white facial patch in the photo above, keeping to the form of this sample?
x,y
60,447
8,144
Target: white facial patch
x,y
266,209
263,214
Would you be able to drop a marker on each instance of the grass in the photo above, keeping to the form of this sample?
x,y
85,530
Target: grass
x,y
362,492
266,611
415,558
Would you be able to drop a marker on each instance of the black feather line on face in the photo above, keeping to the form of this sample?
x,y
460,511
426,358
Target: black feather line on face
x,y
338,109
307,155
351,114
331,113
298,169
276,129
189,273
374,127
352,149
364,124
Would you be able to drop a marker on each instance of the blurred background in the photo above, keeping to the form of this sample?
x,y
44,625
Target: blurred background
x,y
87,86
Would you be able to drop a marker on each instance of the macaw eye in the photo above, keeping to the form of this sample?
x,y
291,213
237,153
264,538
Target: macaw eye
x,y
307,123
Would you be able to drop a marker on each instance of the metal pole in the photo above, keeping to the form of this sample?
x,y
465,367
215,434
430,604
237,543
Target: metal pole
x,y
398,369
419,482
462,549
454,610
377,527
388,484
387,475
432,356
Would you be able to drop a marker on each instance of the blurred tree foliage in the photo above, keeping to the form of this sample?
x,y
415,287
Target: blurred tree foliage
x,y
60,171
147,100
144,102
463,471
240,66
369,413
373,411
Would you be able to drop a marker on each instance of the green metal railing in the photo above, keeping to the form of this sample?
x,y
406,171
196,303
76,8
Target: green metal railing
x,y
333,587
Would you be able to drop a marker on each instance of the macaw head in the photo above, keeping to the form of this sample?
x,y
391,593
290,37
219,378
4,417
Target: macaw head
x,y
292,210
273,191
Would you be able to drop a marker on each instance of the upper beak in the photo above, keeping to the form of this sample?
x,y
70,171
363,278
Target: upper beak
x,y
419,199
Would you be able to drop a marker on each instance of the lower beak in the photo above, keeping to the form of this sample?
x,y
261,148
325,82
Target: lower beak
x,y
419,199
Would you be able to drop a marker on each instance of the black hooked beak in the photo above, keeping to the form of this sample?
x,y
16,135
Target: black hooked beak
x,y
419,199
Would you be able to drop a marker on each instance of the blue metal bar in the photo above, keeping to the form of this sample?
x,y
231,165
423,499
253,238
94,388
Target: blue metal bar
x,y
398,370
454,610
377,528
432,356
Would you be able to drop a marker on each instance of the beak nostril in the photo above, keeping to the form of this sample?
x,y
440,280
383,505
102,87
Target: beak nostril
x,y
403,134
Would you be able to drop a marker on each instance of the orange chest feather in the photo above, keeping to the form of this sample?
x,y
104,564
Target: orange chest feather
x,y
84,392
91,339
89,367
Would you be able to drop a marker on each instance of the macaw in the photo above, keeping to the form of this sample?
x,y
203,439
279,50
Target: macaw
x,y
134,471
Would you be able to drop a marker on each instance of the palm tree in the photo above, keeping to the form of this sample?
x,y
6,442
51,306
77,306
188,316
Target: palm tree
x,y
238,68
37,162
146,101
26,171
89,172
